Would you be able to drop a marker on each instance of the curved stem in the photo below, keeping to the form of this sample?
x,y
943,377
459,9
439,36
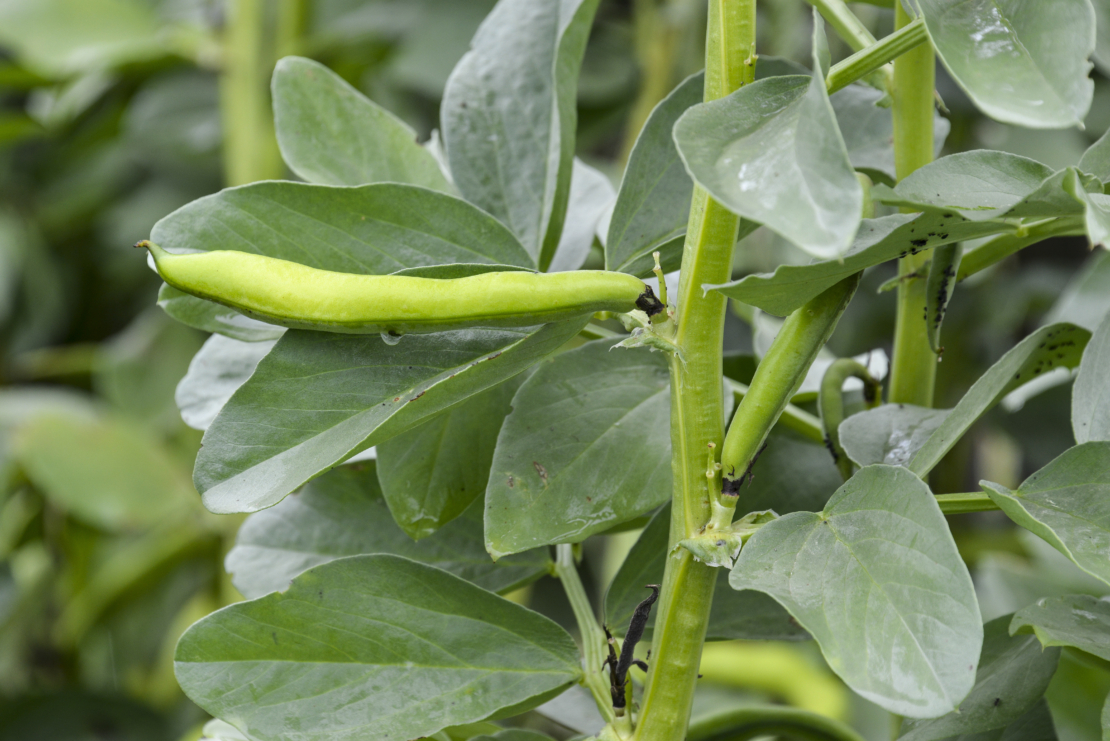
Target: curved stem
x,y
594,643
914,366
741,724
830,403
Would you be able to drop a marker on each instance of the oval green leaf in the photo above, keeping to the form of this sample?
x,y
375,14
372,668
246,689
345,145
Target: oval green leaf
x,y
1067,503
319,398
771,152
587,446
1090,396
509,115
876,579
371,648
1078,620
330,133
1020,63
1013,675
342,514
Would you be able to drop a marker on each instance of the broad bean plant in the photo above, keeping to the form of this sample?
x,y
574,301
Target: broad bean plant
x,y
400,484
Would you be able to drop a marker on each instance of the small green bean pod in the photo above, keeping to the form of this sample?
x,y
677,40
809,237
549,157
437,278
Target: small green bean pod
x,y
293,295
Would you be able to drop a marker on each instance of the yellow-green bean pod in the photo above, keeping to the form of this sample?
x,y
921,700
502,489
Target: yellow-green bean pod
x,y
293,295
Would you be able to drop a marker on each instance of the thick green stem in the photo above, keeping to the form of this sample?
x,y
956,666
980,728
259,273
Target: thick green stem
x,y
594,643
777,378
741,724
250,145
830,402
871,58
696,404
914,366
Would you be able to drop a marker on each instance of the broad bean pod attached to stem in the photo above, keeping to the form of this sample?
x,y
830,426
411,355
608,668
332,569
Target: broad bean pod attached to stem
x,y
293,295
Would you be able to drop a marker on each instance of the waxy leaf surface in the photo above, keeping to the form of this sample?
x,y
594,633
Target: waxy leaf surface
x,y
331,134
1078,620
342,514
876,579
890,434
653,203
1090,396
734,615
433,472
877,241
509,115
1054,346
587,446
979,185
1012,676
220,367
212,317
371,648
1020,63
318,398
1067,503
771,152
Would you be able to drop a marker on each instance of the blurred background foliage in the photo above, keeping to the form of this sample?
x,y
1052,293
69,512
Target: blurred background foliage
x,y
115,112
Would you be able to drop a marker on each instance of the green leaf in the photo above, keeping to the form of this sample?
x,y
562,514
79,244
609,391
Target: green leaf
x,y
1090,396
107,473
733,615
375,229
1106,719
509,116
330,133
978,185
371,648
890,434
653,203
1013,675
793,474
220,367
342,514
877,580
591,194
1020,63
868,129
1036,724
1078,620
59,38
877,241
319,398
1067,503
212,317
1054,346
1096,160
433,472
586,446
1086,300
771,152
1096,204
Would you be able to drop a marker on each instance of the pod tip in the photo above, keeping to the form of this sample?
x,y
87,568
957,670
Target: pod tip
x,y
649,303
143,244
